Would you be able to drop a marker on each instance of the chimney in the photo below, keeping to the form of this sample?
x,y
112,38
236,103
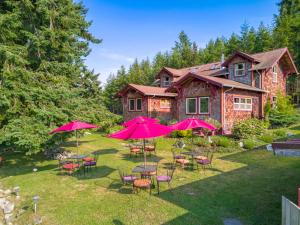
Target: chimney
x,y
222,58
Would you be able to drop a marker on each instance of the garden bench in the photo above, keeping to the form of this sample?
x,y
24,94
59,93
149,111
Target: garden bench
x,y
289,145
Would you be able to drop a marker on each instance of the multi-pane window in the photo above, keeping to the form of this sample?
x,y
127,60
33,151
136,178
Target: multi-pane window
x,y
204,105
239,69
274,70
191,105
165,104
131,104
135,104
138,104
242,104
166,81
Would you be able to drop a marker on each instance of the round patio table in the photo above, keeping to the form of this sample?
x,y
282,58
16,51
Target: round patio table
x,y
143,168
77,157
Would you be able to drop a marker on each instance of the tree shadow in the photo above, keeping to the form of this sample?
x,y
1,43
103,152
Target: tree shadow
x,y
105,151
140,158
95,173
251,193
117,222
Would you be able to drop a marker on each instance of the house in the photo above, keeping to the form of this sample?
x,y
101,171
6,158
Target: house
x,y
232,90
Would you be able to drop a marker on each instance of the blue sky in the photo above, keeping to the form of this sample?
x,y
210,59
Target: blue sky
x,y
140,28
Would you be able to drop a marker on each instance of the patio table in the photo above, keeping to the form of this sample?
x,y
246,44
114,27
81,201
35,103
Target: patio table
x,y
193,154
142,168
77,157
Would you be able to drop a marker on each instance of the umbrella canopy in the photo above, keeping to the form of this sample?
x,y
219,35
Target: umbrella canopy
x,y
74,125
140,119
142,130
191,123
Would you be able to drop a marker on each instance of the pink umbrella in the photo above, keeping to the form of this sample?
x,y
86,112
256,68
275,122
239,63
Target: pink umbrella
x,y
191,123
74,125
142,130
140,119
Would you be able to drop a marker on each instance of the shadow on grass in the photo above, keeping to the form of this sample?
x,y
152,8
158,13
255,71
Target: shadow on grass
x,y
140,157
251,193
95,173
105,151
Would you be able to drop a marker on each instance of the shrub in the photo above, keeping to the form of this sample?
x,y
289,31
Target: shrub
x,y
181,133
283,114
249,144
248,128
222,141
113,129
202,142
279,133
214,122
268,138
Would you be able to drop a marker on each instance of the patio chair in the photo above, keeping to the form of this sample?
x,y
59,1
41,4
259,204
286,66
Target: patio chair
x,y
177,156
150,148
165,178
126,178
90,162
205,162
135,150
142,184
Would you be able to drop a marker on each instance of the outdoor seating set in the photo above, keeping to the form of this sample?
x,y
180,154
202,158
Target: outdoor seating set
x,y
201,156
138,148
145,177
76,162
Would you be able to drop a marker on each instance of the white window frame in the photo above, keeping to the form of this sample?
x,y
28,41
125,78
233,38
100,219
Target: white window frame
x,y
186,106
236,69
134,104
164,107
242,104
136,100
199,104
275,74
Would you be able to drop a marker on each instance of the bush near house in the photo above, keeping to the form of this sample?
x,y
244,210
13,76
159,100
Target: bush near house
x,y
248,128
267,138
249,144
202,142
222,141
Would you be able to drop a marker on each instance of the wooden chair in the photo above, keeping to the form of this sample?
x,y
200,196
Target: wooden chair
x,y
165,178
142,184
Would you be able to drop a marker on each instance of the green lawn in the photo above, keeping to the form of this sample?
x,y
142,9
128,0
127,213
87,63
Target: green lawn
x,y
244,185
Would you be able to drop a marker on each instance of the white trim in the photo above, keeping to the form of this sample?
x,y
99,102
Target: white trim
x,y
238,70
242,106
186,106
199,105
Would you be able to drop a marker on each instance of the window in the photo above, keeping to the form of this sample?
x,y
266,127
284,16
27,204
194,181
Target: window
x,y
165,104
204,105
166,81
139,104
274,70
131,104
191,107
239,69
242,104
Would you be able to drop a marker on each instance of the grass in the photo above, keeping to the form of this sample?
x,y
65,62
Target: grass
x,y
243,184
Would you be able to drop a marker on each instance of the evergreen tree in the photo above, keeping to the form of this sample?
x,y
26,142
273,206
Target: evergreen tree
x,y
263,41
233,44
43,80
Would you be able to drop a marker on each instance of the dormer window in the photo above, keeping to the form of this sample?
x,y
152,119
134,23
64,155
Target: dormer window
x,y
166,81
274,77
239,69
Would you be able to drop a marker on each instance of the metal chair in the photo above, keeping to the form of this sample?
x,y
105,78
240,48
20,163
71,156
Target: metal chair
x,y
165,178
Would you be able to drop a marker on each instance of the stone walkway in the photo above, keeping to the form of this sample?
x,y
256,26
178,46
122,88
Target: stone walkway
x,y
231,221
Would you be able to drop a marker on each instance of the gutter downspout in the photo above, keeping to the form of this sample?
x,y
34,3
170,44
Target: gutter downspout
x,y
224,107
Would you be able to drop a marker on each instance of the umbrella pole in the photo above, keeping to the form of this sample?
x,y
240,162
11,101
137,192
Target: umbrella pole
x,y
145,160
77,142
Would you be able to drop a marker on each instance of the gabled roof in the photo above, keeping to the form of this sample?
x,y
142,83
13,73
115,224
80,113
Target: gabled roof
x,y
241,54
147,90
220,82
210,69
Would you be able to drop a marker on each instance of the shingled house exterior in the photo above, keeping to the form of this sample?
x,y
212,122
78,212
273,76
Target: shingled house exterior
x,y
229,91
